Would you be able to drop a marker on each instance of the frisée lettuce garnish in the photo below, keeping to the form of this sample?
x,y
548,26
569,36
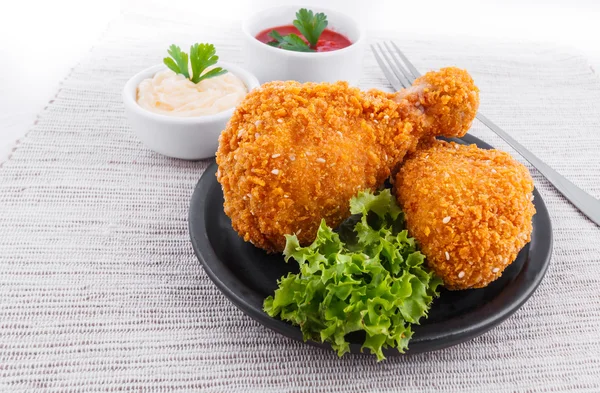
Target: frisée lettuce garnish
x,y
368,276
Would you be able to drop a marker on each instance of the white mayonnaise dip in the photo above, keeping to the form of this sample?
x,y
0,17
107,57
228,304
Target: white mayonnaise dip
x,y
173,94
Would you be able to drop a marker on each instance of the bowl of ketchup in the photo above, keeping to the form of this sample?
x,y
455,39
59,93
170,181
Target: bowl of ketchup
x,y
337,55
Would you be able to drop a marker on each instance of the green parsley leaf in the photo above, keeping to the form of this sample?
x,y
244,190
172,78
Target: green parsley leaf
x,y
289,42
178,62
372,280
310,25
201,57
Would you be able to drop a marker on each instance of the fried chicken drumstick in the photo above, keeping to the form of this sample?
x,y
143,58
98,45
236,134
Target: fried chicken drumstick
x,y
295,153
470,210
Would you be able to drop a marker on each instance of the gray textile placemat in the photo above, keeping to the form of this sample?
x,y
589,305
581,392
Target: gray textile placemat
x,y
100,289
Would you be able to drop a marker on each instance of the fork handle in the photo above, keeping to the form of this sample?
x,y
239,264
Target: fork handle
x,y
586,203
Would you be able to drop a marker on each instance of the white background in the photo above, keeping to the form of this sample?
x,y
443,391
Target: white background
x,y
40,41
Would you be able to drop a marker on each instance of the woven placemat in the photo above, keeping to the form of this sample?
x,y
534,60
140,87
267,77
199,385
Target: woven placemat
x,y
100,289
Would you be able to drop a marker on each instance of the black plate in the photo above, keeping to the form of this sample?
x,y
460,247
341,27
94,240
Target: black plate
x,y
246,275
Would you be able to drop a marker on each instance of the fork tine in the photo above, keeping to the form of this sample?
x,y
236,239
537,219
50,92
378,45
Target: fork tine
x,y
405,82
409,77
390,77
410,66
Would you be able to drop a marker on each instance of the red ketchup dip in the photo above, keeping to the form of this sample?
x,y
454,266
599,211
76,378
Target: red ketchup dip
x,y
328,41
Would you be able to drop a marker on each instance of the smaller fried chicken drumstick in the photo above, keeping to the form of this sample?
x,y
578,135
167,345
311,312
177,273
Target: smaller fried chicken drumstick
x,y
469,209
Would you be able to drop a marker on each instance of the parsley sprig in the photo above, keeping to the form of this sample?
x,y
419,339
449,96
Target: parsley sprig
x,y
201,57
309,24
289,42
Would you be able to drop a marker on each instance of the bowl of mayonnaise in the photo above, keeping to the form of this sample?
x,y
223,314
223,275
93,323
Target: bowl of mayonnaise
x,y
179,118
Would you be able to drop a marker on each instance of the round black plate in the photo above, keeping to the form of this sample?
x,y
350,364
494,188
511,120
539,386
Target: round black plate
x,y
246,275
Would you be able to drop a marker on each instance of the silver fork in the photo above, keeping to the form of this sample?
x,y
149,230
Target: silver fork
x,y
403,75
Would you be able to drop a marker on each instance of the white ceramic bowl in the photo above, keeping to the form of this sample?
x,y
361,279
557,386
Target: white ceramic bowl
x,y
188,138
269,63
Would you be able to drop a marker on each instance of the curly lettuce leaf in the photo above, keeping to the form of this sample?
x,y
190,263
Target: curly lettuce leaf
x,y
378,285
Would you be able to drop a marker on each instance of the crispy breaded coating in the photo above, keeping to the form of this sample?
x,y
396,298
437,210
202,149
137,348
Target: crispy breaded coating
x,y
469,209
295,153
450,97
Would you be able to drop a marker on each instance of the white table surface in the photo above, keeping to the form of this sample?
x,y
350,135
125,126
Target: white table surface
x,y
38,49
